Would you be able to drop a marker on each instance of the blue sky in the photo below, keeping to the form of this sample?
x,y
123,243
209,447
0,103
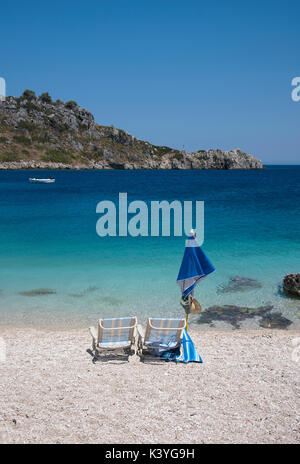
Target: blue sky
x,y
201,74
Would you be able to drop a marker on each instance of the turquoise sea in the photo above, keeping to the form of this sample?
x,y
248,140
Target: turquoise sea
x,y
48,241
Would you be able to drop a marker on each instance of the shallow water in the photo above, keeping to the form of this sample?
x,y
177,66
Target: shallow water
x,y
71,276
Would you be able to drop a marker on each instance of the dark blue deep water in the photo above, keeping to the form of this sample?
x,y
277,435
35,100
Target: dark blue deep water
x,y
49,241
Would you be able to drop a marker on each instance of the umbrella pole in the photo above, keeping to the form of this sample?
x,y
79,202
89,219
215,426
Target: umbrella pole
x,y
186,322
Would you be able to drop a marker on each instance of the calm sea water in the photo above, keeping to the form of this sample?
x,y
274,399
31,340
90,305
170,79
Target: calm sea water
x,y
49,241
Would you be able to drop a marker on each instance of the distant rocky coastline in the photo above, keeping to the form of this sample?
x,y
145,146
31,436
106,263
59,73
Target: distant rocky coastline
x,y
37,133
226,160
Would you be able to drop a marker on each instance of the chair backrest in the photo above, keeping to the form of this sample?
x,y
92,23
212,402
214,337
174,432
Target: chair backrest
x,y
164,331
116,330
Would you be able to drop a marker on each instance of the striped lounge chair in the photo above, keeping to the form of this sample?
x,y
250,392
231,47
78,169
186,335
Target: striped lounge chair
x,y
160,335
114,334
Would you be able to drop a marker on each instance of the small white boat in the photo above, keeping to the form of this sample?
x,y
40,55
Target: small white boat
x,y
34,180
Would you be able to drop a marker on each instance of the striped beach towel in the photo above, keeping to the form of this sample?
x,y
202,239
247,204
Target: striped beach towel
x,y
185,353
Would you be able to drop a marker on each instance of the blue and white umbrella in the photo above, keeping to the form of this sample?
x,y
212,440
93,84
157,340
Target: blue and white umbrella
x,y
195,266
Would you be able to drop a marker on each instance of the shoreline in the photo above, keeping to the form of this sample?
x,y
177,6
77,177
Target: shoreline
x,y
244,392
94,167
194,328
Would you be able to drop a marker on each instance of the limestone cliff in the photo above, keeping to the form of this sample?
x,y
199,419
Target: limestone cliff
x,y
38,133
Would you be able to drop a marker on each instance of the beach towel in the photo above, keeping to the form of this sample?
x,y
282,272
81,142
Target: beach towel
x,y
185,353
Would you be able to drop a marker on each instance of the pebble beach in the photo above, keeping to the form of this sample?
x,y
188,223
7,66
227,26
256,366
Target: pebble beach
x,y
246,391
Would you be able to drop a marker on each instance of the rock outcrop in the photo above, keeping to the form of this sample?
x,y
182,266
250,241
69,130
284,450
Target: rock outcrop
x,y
291,284
36,133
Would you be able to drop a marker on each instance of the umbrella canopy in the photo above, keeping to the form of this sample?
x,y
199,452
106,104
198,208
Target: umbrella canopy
x,y
194,267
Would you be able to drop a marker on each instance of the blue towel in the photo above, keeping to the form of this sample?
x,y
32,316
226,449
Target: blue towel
x,y
185,353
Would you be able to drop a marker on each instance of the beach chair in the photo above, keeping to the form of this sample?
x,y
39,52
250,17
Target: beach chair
x,y
114,335
160,335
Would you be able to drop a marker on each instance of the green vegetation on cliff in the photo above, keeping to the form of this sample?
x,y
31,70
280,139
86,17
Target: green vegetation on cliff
x,y
37,129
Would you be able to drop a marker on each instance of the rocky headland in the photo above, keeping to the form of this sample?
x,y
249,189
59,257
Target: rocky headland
x,y
37,133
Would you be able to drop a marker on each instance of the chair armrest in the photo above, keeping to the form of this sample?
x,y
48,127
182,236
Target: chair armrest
x,y
93,333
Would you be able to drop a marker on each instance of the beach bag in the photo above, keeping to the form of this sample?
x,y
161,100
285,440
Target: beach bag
x,y
195,306
191,305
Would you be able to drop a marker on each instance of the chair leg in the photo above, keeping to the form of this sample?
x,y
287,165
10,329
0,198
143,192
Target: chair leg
x,y
140,347
135,347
